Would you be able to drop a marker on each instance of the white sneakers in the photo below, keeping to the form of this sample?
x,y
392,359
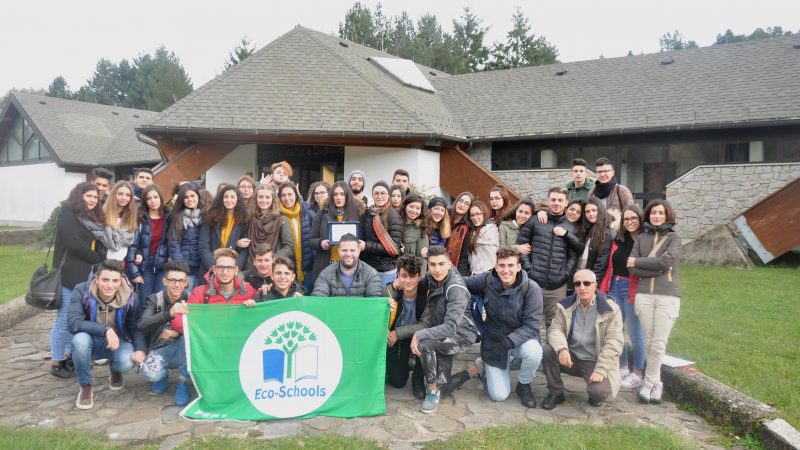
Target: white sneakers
x,y
631,381
651,393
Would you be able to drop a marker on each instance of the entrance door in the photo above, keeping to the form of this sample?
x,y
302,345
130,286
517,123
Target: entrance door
x,y
310,163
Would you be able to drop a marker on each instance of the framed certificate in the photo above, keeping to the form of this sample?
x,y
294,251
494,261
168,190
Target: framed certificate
x,y
338,229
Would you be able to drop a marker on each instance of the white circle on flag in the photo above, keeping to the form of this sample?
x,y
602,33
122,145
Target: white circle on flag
x,y
290,365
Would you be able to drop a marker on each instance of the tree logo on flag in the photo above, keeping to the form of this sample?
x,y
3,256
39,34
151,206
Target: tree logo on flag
x,y
290,365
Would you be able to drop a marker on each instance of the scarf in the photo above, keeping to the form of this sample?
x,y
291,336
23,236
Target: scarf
x,y
456,242
604,190
666,228
297,229
225,232
264,229
97,229
192,218
117,238
380,231
137,191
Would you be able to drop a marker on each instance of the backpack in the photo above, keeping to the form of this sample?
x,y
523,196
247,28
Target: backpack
x,y
478,303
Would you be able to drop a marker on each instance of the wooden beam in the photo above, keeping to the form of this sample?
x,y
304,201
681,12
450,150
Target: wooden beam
x,y
774,220
188,164
458,173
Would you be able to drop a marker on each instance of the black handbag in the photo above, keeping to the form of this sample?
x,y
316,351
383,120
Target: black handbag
x,y
45,288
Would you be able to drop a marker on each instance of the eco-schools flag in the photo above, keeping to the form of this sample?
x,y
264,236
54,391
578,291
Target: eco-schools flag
x,y
298,357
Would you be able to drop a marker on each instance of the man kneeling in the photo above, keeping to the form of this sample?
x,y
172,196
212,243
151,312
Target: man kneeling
x,y
513,304
102,317
165,347
585,340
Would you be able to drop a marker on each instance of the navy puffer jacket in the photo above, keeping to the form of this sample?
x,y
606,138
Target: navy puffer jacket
x,y
141,246
185,247
552,260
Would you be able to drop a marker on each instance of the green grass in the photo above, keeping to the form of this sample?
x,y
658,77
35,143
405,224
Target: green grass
x,y
62,439
306,442
742,328
17,263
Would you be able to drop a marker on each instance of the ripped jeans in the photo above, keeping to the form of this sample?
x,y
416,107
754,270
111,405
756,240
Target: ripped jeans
x,y
437,357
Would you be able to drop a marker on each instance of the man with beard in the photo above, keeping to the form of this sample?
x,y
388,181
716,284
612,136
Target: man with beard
x,y
614,196
357,180
350,277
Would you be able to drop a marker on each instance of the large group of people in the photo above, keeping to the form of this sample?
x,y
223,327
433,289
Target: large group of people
x,y
552,283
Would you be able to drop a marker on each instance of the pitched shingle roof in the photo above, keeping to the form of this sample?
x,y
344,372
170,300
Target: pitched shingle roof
x,y
87,134
306,82
746,83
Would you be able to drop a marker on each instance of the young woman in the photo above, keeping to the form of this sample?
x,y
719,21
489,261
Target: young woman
x,y
148,253
382,234
498,203
396,197
574,212
458,245
120,217
317,195
437,222
183,237
300,218
514,219
225,225
340,206
247,189
484,240
269,226
598,237
412,213
621,285
655,259
78,246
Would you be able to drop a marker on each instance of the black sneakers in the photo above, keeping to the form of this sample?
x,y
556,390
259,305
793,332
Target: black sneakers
x,y
526,395
552,400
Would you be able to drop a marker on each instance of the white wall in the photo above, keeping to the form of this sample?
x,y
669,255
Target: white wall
x,y
29,193
238,162
379,163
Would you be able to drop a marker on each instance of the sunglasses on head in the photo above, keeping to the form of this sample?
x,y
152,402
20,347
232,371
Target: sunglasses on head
x,y
584,283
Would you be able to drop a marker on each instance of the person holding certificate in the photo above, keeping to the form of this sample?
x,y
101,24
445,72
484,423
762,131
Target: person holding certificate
x,y
338,215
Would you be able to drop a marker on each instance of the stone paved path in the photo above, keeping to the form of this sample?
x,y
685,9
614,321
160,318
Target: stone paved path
x,y
31,397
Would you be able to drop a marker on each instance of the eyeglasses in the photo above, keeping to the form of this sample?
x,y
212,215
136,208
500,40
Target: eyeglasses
x,y
584,283
476,215
604,171
225,268
380,194
630,219
176,280
464,201
245,187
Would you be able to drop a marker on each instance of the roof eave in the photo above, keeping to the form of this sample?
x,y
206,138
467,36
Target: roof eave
x,y
153,131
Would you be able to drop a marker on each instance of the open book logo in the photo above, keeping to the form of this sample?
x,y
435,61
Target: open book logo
x,y
290,365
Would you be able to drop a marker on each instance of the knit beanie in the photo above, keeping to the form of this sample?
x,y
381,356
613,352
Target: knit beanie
x,y
359,172
437,201
380,183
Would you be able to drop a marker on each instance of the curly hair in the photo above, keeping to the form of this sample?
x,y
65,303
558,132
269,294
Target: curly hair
x,y
411,264
78,206
218,215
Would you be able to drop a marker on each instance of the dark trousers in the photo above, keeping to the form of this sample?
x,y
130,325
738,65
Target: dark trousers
x,y
437,357
580,368
397,360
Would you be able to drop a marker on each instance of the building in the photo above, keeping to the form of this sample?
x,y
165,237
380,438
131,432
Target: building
x,y
47,146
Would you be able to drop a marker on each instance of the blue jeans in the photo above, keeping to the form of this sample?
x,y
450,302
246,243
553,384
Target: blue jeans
x,y
160,360
60,337
619,290
86,348
153,280
387,277
498,382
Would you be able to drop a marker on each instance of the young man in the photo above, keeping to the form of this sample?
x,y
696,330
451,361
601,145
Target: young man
x,y
102,178
555,249
284,274
357,180
585,340
103,318
349,277
225,286
408,305
142,179
614,196
447,329
401,178
260,275
513,305
580,186
165,347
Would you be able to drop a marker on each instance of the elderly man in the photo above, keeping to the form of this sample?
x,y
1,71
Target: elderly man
x,y
584,339
350,277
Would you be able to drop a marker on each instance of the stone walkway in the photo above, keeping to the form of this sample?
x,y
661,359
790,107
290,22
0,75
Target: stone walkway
x,y
31,397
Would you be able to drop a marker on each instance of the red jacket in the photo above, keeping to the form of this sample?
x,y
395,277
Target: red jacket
x,y
209,293
605,285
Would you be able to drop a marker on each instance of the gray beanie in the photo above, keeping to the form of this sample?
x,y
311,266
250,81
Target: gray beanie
x,y
359,172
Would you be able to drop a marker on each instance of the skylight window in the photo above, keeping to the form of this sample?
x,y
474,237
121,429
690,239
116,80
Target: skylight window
x,y
405,71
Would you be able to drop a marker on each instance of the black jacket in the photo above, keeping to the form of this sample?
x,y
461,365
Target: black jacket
x,y
374,254
513,314
155,316
553,258
76,241
273,293
446,314
211,239
597,262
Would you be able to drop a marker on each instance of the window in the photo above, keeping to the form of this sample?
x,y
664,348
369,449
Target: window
x,y
21,144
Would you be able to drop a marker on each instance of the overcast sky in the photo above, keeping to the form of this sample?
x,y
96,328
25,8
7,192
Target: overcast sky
x,y
40,40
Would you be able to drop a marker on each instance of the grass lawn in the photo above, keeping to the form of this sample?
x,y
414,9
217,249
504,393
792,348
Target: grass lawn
x,y
742,328
17,263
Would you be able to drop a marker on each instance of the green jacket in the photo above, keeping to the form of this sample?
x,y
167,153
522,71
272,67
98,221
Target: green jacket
x,y
580,192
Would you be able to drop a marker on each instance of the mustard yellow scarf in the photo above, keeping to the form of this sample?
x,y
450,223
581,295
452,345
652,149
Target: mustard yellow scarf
x,y
297,229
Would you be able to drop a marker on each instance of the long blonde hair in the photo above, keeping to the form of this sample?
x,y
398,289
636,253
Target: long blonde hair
x,y
113,211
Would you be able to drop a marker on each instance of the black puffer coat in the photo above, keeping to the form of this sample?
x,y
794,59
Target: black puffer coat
x,y
553,258
374,254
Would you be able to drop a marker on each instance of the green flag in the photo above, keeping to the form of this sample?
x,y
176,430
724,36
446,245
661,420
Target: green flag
x,y
297,357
